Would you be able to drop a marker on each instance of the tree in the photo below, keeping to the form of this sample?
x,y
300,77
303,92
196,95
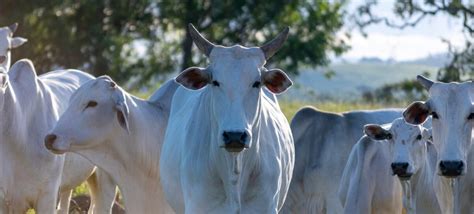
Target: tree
x,y
102,36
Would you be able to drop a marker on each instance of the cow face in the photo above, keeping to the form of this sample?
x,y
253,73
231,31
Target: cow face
x,y
8,42
450,105
407,145
234,81
96,111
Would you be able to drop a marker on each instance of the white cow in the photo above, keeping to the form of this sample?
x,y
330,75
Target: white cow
x,y
452,111
77,169
30,174
369,184
8,42
323,142
228,147
122,135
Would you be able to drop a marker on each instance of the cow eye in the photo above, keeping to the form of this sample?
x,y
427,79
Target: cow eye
x,y
215,83
256,84
418,137
91,104
471,116
434,115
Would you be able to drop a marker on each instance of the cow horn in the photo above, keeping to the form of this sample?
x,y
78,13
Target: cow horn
x,y
13,27
273,46
425,82
202,43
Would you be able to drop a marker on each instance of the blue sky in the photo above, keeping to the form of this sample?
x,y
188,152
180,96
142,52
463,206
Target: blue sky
x,y
407,44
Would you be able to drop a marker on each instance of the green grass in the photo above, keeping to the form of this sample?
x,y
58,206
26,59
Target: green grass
x,y
290,108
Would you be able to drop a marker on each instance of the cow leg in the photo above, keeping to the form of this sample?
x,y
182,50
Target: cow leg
x,y
64,200
47,204
102,190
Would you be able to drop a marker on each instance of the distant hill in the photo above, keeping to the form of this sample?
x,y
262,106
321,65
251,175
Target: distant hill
x,y
349,80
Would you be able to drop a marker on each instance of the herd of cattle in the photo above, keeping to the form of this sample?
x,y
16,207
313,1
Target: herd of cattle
x,y
214,140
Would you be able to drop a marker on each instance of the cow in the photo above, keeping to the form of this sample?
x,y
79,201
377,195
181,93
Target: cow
x,y
77,169
452,112
323,141
390,160
122,135
228,147
31,176
7,43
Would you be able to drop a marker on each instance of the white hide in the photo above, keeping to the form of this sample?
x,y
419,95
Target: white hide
x,y
122,135
368,184
30,176
451,105
323,142
198,174
8,42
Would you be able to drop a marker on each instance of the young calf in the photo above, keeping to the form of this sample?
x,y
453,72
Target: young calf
x,y
122,135
368,184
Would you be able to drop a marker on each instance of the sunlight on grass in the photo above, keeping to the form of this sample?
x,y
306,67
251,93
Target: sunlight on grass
x,y
290,108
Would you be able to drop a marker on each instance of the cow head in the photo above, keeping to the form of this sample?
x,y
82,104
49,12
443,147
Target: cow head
x,y
8,42
450,105
407,145
234,82
96,111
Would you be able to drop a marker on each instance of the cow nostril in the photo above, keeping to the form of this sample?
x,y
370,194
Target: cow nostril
x,y
243,137
225,136
49,140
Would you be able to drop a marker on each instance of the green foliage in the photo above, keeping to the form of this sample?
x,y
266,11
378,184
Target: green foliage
x,y
102,36
313,27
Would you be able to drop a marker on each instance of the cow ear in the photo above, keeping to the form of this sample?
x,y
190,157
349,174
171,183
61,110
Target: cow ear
x,y
276,81
416,113
122,108
193,78
376,132
18,41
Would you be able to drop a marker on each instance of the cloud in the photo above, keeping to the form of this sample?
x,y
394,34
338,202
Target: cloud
x,y
398,47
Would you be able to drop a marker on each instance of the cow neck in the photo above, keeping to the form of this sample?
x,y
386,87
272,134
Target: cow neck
x,y
13,115
236,168
132,162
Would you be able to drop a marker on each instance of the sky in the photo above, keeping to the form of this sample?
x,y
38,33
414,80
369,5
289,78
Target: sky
x,y
407,44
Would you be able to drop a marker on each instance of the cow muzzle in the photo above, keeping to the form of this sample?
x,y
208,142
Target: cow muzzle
x,y
2,59
235,141
400,169
49,141
451,169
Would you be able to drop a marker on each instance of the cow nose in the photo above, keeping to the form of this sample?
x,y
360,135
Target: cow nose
x,y
49,141
2,59
451,168
400,169
234,141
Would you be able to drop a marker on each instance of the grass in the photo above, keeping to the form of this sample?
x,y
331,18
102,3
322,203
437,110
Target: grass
x,y
290,108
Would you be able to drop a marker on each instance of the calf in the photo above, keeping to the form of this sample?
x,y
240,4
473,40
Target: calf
x,y
323,141
368,184
122,135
